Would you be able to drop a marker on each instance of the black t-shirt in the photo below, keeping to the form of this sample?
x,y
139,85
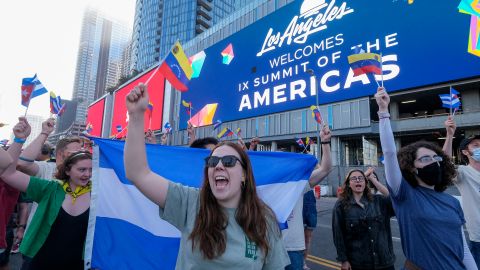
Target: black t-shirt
x,y
63,248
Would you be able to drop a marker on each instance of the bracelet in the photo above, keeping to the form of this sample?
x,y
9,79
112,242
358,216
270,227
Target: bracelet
x,y
45,133
325,142
25,159
383,115
19,140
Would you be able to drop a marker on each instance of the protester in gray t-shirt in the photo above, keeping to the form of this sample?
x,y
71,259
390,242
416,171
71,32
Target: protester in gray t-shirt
x,y
224,224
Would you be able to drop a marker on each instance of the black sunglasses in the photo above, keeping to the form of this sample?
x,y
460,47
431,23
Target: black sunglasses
x,y
227,161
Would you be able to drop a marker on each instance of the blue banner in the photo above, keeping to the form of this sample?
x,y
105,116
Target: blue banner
x,y
265,69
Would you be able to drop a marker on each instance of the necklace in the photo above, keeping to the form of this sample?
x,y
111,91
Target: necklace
x,y
79,191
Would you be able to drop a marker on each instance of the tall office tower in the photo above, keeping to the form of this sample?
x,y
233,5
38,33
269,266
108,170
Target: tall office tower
x,y
99,59
159,23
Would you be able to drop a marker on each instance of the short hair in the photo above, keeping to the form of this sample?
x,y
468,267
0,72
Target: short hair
x,y
46,149
62,143
407,156
202,143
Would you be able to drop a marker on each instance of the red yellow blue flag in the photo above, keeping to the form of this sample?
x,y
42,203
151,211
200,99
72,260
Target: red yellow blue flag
x,y
176,68
364,63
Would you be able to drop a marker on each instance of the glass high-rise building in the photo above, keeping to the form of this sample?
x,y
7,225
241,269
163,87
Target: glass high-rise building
x,y
99,59
159,23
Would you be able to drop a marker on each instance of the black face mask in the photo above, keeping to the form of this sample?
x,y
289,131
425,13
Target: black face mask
x,y
430,174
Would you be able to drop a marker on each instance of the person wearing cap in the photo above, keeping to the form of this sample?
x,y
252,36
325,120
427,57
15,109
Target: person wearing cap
x,y
468,183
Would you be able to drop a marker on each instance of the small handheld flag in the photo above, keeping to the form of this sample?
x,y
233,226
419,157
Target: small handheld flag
x,y
150,106
316,114
188,107
89,128
176,68
450,101
226,132
300,142
167,127
31,87
364,63
217,124
239,132
4,142
56,106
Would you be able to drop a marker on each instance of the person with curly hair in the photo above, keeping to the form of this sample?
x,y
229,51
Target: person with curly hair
x,y
224,224
361,225
430,220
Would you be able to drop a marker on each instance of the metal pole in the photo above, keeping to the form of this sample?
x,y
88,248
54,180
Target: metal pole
x,y
317,88
318,125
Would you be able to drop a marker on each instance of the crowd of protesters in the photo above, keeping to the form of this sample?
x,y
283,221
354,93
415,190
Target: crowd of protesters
x,y
50,192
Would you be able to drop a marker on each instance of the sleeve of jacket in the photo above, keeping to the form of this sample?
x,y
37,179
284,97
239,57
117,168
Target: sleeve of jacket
x,y
338,228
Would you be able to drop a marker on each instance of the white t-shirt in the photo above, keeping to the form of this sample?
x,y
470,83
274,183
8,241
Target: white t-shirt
x,y
46,170
468,183
294,237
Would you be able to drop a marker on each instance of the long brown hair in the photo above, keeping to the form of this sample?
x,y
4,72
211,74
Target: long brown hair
x,y
252,214
69,162
347,194
406,159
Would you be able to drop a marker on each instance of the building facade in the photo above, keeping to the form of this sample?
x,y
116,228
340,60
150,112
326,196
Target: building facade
x,y
158,24
99,59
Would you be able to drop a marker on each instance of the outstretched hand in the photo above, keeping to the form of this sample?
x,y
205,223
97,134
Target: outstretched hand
x,y
48,126
325,133
137,100
22,129
383,99
450,126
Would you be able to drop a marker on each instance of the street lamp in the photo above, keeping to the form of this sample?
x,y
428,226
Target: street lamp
x,y
312,73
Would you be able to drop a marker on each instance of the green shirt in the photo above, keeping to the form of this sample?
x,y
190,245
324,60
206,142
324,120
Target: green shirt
x,y
181,208
49,195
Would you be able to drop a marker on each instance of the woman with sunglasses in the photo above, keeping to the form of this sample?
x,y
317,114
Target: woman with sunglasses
x,y
224,225
361,226
430,220
58,230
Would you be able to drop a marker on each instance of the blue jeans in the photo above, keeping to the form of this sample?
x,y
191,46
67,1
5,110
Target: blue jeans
x,y
475,250
296,260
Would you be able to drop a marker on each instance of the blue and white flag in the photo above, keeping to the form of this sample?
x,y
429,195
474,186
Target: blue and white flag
x,y
125,230
39,89
451,101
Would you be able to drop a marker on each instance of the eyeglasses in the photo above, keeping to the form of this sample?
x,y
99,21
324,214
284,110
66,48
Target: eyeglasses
x,y
227,161
429,159
357,178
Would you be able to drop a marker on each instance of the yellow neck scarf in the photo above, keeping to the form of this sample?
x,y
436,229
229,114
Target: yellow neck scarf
x,y
79,191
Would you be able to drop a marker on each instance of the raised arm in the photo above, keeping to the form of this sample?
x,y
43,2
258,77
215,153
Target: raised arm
x,y
392,169
326,164
152,185
26,162
11,176
5,160
372,178
450,126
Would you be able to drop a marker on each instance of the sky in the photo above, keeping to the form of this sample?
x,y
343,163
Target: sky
x,y
43,37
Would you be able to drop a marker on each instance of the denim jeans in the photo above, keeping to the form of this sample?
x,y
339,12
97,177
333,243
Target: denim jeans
x,y
475,250
296,260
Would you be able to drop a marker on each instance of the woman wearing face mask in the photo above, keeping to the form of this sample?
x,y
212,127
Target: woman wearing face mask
x,y
224,225
430,220
58,230
361,226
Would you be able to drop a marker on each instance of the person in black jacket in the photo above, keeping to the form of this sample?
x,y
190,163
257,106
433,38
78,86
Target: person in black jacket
x,y
361,225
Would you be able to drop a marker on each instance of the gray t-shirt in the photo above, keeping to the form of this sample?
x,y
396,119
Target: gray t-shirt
x,y
468,183
181,207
